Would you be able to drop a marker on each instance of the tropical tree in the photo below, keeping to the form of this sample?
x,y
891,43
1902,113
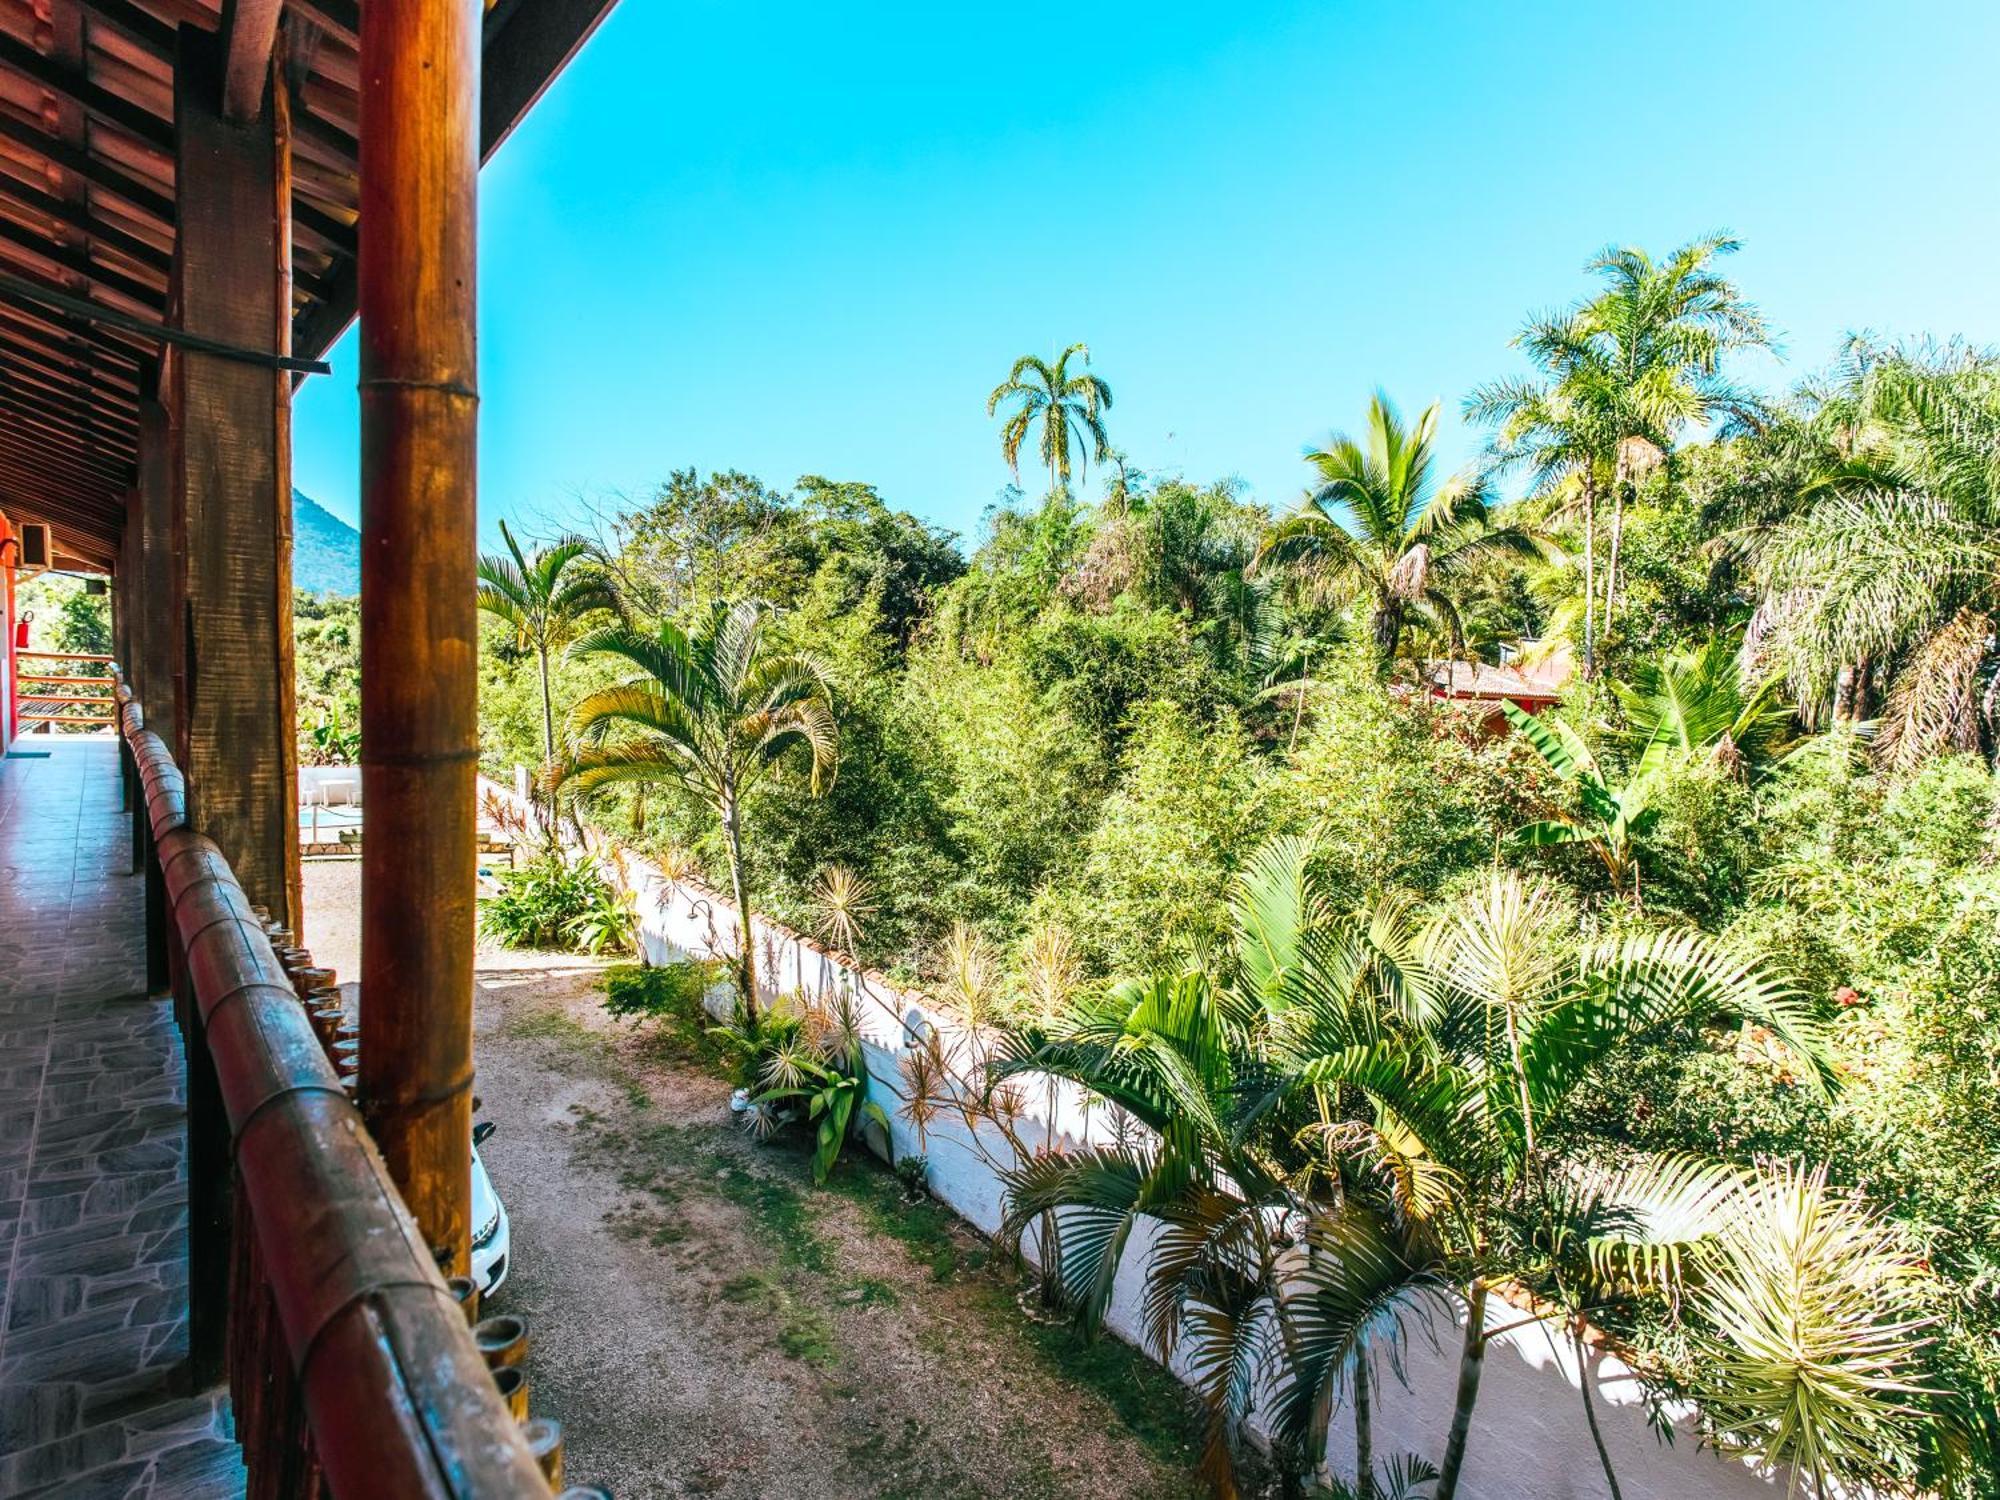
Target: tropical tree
x,y
1378,524
1623,376
1351,1116
1070,409
712,710
1525,1018
1690,703
1892,572
543,596
1244,1276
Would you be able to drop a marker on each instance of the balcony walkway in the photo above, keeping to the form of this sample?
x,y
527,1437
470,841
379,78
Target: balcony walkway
x,y
93,1192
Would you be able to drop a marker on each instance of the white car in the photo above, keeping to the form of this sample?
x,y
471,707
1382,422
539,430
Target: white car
x,y
489,1222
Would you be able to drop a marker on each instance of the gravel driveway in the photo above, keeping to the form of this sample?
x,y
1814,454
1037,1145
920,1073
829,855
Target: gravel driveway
x,y
705,1322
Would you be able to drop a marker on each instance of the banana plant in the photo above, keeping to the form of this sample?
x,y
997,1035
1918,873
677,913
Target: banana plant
x,y
1607,819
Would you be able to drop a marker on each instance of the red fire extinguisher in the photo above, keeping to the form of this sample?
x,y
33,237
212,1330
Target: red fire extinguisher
x,y
21,631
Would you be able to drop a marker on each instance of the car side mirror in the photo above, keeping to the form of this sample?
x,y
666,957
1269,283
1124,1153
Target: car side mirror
x,y
482,1130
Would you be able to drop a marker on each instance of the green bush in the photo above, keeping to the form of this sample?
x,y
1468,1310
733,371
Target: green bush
x,y
540,906
634,993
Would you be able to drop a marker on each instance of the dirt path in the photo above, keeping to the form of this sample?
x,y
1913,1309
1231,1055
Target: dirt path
x,y
705,1322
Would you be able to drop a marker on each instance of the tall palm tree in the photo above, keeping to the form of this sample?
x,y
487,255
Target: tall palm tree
x,y
1623,376
1893,571
711,710
544,596
1070,409
1377,523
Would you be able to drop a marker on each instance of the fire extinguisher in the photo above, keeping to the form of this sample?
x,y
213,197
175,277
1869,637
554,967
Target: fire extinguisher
x,y
21,631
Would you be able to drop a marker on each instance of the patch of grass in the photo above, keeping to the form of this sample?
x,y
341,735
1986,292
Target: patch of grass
x,y
868,1292
782,1215
807,1335
804,1332
1161,1413
553,1026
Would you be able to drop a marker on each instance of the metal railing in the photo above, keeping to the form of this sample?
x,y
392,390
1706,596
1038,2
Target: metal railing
x,y
72,694
352,1364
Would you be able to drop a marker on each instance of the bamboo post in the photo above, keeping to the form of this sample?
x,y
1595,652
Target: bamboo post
x,y
419,636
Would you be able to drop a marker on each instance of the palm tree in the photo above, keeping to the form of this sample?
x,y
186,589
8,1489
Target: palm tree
x,y
1377,523
1237,1278
1693,703
1069,407
1524,1022
544,595
1345,1109
1893,571
1623,376
710,710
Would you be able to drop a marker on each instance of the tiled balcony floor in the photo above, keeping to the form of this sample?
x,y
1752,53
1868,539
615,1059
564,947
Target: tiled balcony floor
x,y
93,1193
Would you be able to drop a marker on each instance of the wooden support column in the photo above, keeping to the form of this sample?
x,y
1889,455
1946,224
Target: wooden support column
x,y
156,632
156,648
232,478
419,629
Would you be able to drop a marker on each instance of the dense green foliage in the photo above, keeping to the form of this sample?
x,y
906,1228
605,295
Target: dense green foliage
x,y
651,992
67,616
326,644
553,902
1060,751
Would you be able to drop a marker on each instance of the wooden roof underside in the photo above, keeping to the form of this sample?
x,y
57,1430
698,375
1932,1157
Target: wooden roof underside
x,y
87,208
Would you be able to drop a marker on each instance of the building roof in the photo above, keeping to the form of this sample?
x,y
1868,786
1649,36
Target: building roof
x,y
1478,679
87,210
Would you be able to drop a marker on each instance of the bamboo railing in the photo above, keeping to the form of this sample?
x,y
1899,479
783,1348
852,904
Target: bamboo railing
x,y
57,695
351,1364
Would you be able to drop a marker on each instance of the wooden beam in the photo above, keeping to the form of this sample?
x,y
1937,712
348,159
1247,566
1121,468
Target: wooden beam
x,y
146,200
31,450
65,83
140,26
523,48
28,408
21,358
419,628
526,48
232,481
33,495
31,199
252,29
149,299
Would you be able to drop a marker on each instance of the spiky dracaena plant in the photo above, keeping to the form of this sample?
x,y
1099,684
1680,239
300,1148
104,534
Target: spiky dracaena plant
x,y
712,710
1069,407
1808,1333
1379,524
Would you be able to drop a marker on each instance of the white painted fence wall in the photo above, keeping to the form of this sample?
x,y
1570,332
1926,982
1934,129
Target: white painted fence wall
x,y
1529,1437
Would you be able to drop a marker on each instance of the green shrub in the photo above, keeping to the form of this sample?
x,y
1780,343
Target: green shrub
x,y
539,906
633,993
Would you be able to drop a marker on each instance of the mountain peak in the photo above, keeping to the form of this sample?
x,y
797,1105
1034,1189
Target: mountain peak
x,y
326,551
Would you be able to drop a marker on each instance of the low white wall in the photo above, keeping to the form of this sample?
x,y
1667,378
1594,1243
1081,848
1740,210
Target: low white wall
x,y
1529,1440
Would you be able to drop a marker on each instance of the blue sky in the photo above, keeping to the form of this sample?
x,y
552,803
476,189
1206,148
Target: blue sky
x,y
795,238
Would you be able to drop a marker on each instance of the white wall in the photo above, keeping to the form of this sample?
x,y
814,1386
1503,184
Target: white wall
x,y
1529,1440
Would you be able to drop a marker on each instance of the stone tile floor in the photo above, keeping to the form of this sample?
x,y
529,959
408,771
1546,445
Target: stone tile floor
x,y
93,1197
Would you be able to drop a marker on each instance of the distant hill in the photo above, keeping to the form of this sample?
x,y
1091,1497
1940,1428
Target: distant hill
x,y
326,551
